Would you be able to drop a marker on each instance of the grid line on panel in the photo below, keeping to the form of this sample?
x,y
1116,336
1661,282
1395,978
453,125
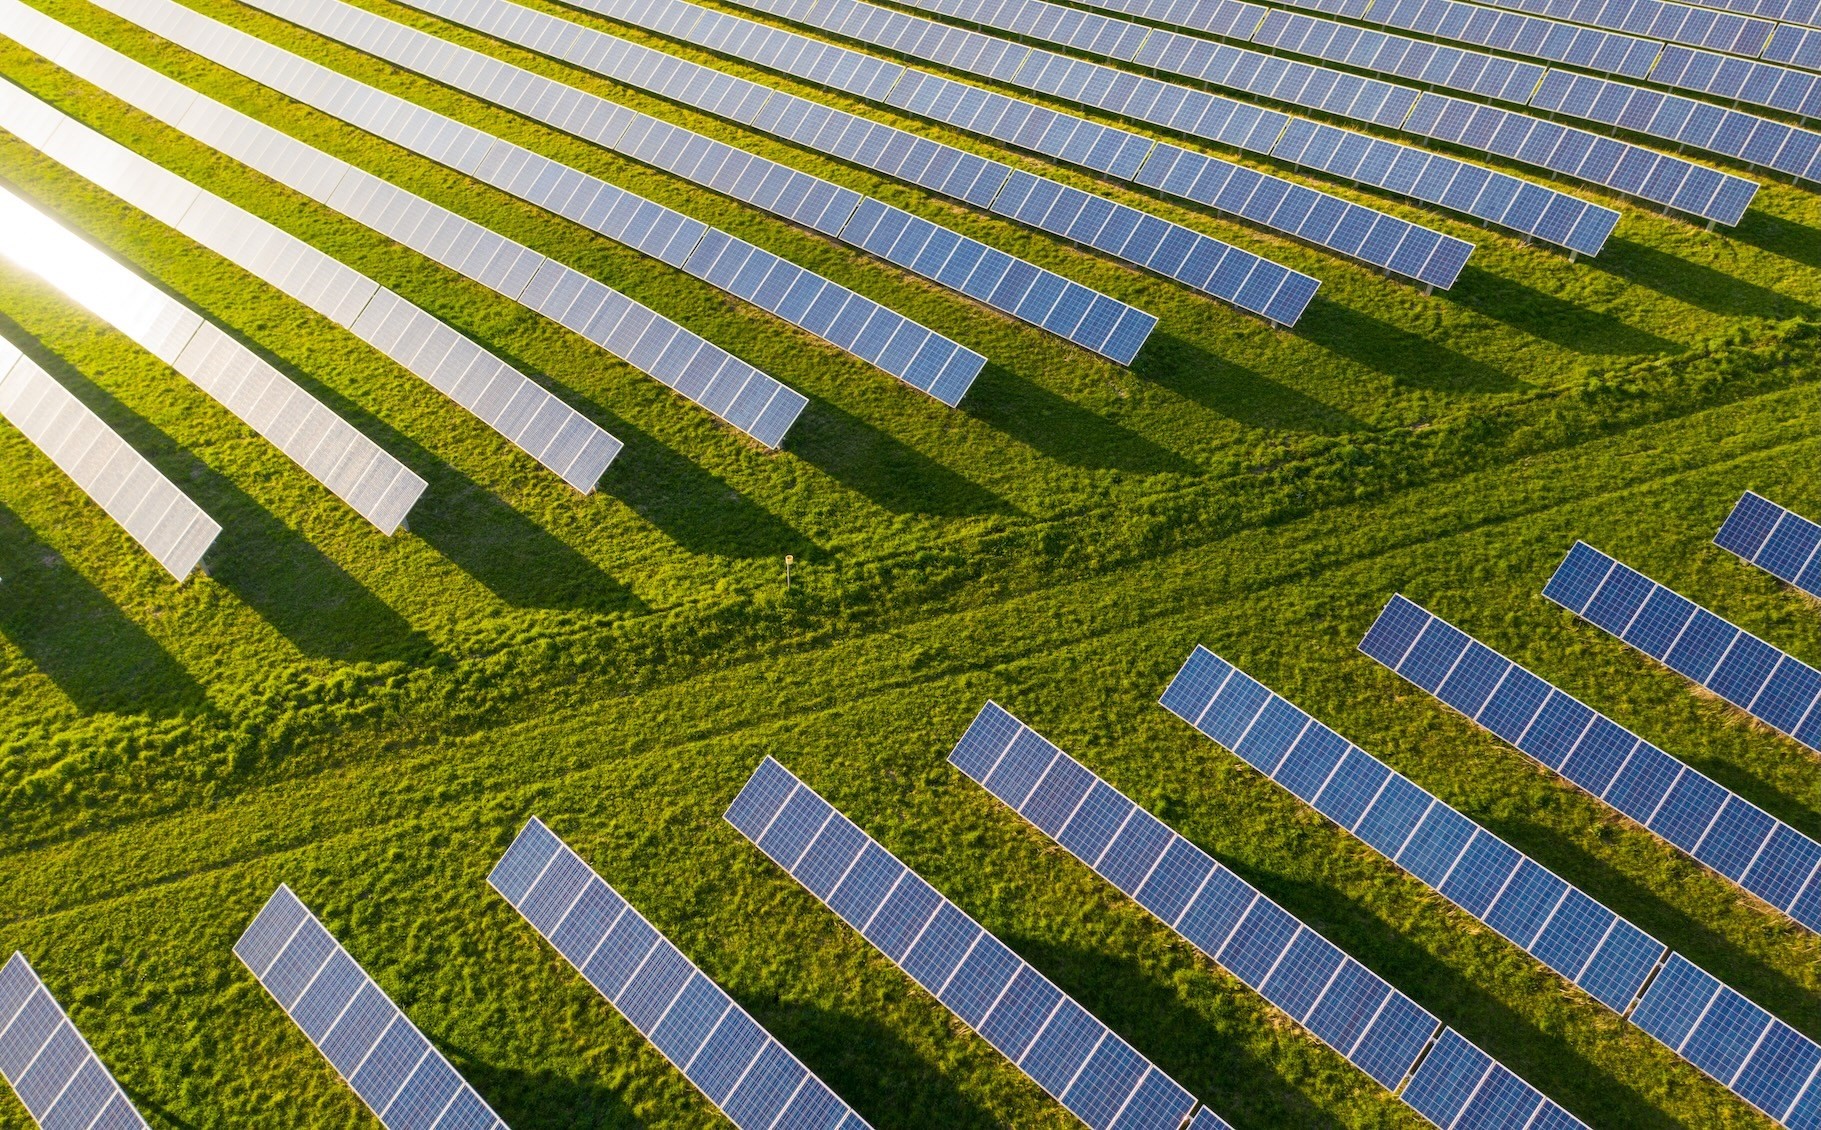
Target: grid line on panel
x,y
1684,1008
351,1021
1765,682
1775,539
43,1056
1088,1068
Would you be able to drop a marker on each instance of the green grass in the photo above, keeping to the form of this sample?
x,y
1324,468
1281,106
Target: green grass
x,y
371,719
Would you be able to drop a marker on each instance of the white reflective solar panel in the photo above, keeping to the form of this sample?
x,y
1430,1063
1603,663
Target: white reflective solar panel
x,y
537,422
57,1076
699,370
752,1078
353,467
163,519
388,1062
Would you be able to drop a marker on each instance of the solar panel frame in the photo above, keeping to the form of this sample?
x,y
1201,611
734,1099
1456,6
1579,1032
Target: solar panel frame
x,y
1634,777
993,991
1775,539
70,1087
1399,1044
288,951
1691,641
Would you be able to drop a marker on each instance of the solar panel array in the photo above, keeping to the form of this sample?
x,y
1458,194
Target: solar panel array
x,y
377,486
1736,32
1248,281
1777,689
1781,542
57,1076
1350,229
852,322
551,432
160,517
716,1044
1053,1040
394,1069
1721,829
728,387
1660,178
1756,1056
1043,298
1345,1005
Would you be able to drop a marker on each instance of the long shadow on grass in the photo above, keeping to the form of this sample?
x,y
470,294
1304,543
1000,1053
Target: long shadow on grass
x,y
155,1113
525,1098
1793,241
79,638
891,473
1714,291
1747,973
885,1079
295,587
1529,310
1409,359
1234,391
1062,430
1542,1058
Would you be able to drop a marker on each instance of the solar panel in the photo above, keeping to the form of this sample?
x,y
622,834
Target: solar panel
x,y
1778,541
1777,689
351,466
1096,1075
1721,829
748,1075
849,321
57,1076
990,276
551,432
159,516
388,1062
1524,902
1345,1005
1374,237
699,370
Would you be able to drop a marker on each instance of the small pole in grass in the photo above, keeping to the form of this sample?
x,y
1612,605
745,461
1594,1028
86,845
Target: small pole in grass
x,y
789,560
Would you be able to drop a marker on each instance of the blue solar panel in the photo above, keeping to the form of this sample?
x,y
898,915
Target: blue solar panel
x,y
1342,1003
1773,687
1084,1065
1776,540
57,1076
404,1080
714,1042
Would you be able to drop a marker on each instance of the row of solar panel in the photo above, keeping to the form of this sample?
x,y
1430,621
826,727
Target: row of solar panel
x,y
388,1062
941,168
1718,827
1781,542
148,506
1758,1057
1351,1009
544,427
351,466
852,322
726,386
1053,1040
1350,229
1777,689
1637,171
1417,173
752,1078
1752,36
52,1069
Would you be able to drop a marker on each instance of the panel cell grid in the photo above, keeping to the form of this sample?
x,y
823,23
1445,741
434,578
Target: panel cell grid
x,y
1775,539
394,1069
57,1076
1003,998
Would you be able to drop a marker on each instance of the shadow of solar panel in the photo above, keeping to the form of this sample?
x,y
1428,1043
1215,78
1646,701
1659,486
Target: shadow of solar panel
x,y
1776,540
1773,687
1724,831
148,506
57,1076
714,1042
401,1077
351,466
1079,1061
744,397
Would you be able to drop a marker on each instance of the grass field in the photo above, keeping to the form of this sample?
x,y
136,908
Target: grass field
x,y
372,719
